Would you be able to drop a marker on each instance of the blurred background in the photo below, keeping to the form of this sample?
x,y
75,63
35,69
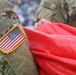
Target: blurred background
x,y
26,9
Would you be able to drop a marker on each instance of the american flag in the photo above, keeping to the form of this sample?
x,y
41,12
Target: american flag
x,y
12,40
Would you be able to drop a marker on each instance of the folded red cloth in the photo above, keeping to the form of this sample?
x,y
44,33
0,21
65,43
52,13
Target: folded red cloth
x,y
53,46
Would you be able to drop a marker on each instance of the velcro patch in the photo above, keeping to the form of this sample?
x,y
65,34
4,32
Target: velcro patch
x,y
48,5
12,40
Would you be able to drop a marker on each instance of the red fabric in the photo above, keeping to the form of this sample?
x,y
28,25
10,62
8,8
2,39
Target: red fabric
x,y
54,48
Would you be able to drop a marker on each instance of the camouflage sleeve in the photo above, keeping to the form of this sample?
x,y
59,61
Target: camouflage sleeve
x,y
7,16
20,60
53,10
5,5
71,12
71,8
5,68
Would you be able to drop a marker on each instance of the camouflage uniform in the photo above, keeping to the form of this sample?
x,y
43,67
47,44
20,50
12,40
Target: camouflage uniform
x,y
63,11
20,61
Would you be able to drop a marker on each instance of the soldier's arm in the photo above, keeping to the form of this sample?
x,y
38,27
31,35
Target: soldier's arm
x,y
15,56
52,10
61,11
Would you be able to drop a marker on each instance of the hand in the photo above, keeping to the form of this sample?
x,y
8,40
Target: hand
x,y
40,22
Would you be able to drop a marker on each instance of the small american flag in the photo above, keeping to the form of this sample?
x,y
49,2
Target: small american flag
x,y
12,40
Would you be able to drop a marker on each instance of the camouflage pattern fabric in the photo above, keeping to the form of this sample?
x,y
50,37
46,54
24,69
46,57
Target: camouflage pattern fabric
x,y
20,61
5,68
63,11
5,5
71,12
